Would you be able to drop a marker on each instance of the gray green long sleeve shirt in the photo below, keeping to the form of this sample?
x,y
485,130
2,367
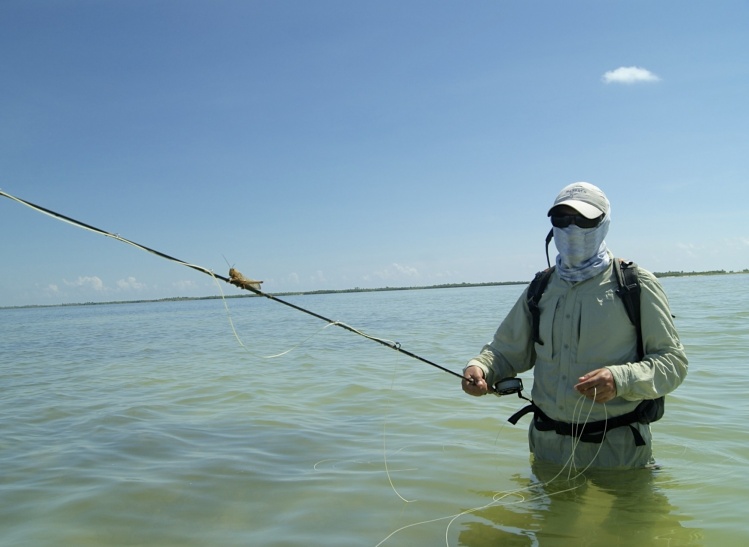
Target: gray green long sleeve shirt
x,y
584,327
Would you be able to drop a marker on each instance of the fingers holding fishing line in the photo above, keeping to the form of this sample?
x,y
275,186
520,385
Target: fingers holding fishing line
x,y
597,385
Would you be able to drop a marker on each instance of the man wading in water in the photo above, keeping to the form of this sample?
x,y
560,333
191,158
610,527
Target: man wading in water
x,y
586,345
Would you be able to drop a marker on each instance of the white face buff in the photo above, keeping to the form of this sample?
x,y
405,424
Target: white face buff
x,y
582,251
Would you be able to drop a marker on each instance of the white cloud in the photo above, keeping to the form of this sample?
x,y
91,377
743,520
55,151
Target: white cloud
x,y
629,75
394,271
92,282
130,284
184,285
318,277
690,249
408,271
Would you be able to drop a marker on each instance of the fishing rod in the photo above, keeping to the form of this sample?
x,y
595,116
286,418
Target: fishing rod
x,y
235,278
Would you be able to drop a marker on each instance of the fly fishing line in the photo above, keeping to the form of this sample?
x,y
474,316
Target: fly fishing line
x,y
498,497
235,278
244,346
569,465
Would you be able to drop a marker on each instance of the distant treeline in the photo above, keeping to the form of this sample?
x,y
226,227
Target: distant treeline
x,y
354,290
413,288
686,274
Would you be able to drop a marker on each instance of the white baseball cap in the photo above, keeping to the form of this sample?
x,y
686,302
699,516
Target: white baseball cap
x,y
588,200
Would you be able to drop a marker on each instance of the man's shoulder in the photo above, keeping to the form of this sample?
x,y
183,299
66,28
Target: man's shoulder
x,y
647,279
643,274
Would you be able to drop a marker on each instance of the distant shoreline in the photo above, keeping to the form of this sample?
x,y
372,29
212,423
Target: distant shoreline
x,y
344,291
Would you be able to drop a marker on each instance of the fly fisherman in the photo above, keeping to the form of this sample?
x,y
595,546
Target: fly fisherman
x,y
584,344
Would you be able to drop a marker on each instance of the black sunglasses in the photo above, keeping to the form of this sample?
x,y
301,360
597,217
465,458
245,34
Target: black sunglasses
x,y
562,221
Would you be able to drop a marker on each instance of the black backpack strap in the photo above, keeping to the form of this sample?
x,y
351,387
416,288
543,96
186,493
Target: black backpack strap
x,y
629,292
533,297
650,410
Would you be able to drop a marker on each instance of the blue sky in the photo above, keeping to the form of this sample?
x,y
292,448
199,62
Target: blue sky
x,y
340,144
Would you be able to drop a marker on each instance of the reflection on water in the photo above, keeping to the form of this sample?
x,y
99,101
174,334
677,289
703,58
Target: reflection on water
x,y
556,508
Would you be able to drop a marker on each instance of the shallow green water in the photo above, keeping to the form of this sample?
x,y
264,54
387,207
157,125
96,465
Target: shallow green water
x,y
148,424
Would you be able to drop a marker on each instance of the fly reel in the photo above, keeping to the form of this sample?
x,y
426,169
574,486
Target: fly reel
x,y
508,386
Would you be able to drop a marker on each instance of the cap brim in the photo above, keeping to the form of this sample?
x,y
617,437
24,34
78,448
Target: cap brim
x,y
585,209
